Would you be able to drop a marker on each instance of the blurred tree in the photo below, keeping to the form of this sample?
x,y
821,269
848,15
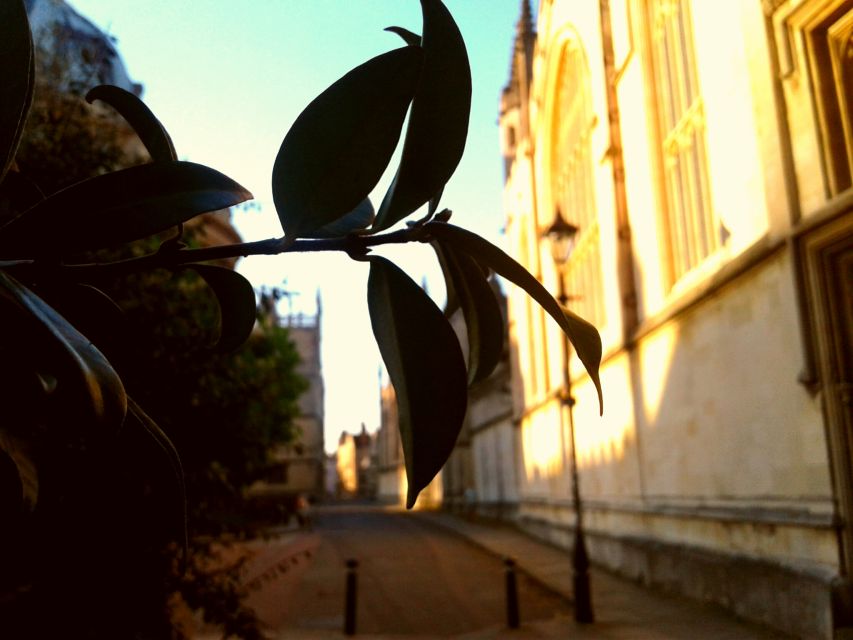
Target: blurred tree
x,y
223,411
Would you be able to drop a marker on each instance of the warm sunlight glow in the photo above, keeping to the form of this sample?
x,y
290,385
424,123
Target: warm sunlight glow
x,y
656,356
603,440
542,445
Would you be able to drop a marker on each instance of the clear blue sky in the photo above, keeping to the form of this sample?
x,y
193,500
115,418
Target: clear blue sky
x,y
228,78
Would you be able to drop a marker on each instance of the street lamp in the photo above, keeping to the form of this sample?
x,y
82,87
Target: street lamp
x,y
561,235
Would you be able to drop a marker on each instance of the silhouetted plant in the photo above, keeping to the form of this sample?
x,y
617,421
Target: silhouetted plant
x,y
223,410
61,395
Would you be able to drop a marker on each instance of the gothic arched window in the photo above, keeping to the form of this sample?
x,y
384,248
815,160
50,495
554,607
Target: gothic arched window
x,y
572,180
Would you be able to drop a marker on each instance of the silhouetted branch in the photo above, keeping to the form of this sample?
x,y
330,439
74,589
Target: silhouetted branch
x,y
353,244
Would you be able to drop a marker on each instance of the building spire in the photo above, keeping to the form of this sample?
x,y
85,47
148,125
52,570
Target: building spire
x,y
514,98
521,76
525,22
525,38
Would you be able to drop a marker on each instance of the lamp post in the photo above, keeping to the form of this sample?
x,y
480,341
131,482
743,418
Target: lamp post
x,y
561,235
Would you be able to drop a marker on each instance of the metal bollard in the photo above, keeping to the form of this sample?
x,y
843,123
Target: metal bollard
x,y
349,604
511,595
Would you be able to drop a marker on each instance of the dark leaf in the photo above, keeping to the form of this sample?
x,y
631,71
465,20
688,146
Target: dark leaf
x,y
339,146
433,203
438,123
16,81
25,394
411,39
86,385
93,313
118,207
11,487
452,304
426,367
359,218
482,313
149,129
19,479
237,305
136,416
581,333
17,193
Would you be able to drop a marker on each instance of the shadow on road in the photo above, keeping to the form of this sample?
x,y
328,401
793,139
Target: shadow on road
x,y
414,579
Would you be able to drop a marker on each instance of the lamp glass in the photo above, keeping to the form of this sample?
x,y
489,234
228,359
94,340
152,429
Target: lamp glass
x,y
561,236
561,247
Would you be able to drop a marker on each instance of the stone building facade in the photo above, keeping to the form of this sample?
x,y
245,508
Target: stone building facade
x,y
302,463
390,468
87,55
356,465
346,465
704,151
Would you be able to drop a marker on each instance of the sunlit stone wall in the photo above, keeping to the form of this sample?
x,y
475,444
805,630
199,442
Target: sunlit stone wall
x,y
709,471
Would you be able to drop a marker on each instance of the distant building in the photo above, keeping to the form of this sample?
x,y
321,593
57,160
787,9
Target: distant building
x,y
346,465
356,465
301,465
74,56
88,56
365,447
704,153
331,481
390,468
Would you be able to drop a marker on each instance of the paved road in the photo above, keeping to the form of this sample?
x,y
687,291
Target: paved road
x,y
414,578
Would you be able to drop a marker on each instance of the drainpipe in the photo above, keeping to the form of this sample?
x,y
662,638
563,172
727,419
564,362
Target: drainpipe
x,y
808,375
624,250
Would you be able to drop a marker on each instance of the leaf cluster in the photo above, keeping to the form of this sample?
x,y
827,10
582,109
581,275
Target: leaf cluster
x,y
330,161
224,408
58,250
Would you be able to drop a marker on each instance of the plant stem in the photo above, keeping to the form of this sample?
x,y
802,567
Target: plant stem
x,y
171,257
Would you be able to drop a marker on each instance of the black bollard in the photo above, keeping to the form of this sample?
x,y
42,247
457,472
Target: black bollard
x,y
511,595
349,605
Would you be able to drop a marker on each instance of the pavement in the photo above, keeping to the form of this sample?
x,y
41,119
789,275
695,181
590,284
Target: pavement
x,y
623,609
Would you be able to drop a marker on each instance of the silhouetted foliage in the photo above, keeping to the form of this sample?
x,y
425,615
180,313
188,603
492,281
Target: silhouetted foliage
x,y
225,409
81,408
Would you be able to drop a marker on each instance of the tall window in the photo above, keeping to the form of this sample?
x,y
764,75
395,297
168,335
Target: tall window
x,y
692,230
830,44
572,181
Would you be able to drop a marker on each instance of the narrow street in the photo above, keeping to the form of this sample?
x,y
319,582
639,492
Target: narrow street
x,y
413,578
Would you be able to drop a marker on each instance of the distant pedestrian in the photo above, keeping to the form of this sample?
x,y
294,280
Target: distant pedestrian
x,y
303,512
